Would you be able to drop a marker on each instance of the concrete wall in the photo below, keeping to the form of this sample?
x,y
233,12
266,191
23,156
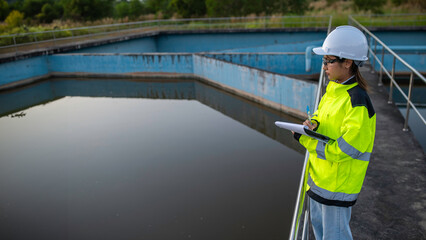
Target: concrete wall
x,y
120,63
401,37
203,42
282,64
278,90
275,90
141,45
417,61
11,72
287,47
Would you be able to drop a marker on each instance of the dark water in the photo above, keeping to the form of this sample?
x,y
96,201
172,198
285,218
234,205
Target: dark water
x,y
415,123
117,159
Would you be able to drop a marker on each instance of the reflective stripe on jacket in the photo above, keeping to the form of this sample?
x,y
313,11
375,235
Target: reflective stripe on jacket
x,y
337,170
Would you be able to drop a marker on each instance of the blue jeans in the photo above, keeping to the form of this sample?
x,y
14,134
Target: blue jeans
x,y
330,222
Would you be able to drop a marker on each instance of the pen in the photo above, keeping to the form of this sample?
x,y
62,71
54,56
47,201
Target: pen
x,y
309,114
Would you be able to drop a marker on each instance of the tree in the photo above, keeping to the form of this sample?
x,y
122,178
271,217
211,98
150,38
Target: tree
x,y
221,8
369,5
15,19
290,6
159,6
33,7
48,13
136,9
121,10
189,8
87,9
4,9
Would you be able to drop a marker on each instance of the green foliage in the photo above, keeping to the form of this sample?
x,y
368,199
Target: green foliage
x,y
189,8
290,6
374,6
121,10
418,3
159,6
217,8
48,13
33,7
4,9
226,8
15,19
399,2
136,9
87,9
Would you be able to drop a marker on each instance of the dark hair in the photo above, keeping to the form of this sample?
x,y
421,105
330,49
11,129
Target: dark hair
x,y
358,77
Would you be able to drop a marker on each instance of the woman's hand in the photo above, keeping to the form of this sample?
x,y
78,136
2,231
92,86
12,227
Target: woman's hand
x,y
310,125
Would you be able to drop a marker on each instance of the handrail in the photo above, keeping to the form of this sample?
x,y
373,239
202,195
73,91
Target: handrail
x,y
294,231
164,21
20,39
391,76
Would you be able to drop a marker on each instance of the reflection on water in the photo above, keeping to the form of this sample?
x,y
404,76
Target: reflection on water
x,y
414,121
109,159
416,124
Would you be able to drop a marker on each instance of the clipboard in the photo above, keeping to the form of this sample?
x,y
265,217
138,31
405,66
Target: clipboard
x,y
302,129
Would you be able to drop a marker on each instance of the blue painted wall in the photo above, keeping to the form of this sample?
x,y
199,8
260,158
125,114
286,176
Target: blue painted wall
x,y
222,41
23,69
402,37
142,45
121,63
290,92
417,61
203,42
282,64
239,71
288,47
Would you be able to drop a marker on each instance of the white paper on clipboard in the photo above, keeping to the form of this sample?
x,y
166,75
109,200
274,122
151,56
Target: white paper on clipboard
x,y
302,129
299,128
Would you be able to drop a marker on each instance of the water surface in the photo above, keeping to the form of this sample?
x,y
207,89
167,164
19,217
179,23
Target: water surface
x,y
115,159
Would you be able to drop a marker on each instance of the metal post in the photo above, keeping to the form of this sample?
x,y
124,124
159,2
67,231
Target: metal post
x,y
391,82
374,60
381,67
14,43
54,38
305,232
405,129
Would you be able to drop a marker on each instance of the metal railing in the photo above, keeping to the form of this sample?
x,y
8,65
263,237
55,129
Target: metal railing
x,y
21,39
373,41
392,20
301,197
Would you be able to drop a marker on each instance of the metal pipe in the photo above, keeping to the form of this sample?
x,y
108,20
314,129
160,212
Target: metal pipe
x,y
405,129
375,51
381,69
390,51
391,82
295,223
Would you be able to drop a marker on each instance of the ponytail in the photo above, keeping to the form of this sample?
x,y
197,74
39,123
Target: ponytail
x,y
358,77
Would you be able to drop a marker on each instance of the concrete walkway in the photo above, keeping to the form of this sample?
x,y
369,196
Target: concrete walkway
x,y
392,203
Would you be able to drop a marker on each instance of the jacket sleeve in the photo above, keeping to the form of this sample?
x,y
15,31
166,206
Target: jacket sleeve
x,y
357,129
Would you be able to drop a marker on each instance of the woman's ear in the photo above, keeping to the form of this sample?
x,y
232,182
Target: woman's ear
x,y
348,63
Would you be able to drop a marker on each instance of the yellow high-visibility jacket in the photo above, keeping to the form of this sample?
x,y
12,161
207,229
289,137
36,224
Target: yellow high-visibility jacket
x,y
337,169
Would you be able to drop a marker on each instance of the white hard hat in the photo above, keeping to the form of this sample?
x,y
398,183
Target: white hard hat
x,y
345,42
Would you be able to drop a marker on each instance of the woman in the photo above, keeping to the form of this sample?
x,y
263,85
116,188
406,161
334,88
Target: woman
x,y
345,113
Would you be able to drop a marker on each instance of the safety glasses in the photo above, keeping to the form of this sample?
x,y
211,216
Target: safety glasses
x,y
325,61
